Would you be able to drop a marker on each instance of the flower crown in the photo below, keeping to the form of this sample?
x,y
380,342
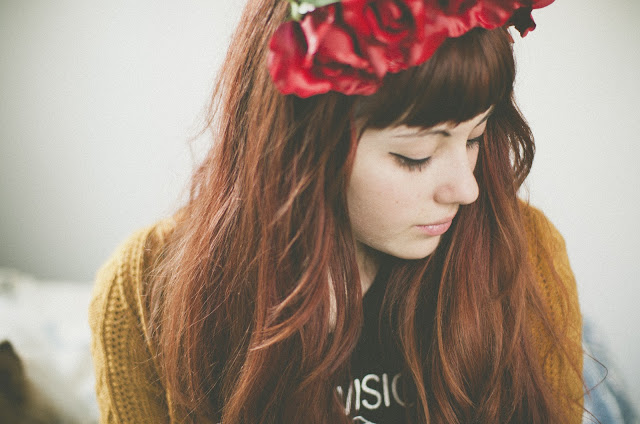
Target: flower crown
x,y
348,46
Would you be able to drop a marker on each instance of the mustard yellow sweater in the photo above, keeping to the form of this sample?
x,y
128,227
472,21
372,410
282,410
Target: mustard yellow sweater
x,y
130,390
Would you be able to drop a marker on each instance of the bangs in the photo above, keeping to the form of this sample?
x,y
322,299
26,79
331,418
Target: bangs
x,y
465,77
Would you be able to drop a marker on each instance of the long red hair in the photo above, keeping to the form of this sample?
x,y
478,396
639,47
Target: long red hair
x,y
241,298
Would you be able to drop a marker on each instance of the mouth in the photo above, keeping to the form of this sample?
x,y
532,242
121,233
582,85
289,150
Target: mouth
x,y
436,228
442,221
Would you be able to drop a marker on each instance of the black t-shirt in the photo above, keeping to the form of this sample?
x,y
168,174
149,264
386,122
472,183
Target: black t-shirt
x,y
375,393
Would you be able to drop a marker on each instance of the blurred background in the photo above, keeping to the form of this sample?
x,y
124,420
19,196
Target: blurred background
x,y
99,102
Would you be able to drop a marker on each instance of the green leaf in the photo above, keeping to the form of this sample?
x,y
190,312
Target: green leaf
x,y
320,3
301,7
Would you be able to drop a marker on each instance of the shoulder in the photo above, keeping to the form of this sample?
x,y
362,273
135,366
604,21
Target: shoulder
x,y
541,233
122,275
130,255
556,283
550,261
117,300
128,385
117,315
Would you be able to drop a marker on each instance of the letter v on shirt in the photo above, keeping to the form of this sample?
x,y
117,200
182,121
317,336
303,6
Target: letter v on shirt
x,y
372,392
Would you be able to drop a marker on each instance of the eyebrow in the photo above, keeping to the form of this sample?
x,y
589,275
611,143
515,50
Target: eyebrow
x,y
442,132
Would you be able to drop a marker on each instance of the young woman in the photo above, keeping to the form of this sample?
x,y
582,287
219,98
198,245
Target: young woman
x,y
353,249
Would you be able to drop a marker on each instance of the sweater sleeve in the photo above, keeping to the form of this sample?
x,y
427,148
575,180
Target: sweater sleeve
x,y
128,386
557,284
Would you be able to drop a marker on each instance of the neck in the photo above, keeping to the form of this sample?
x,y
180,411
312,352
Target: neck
x,y
368,264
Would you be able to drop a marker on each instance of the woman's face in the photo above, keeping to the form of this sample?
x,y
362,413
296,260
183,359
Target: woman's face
x,y
407,184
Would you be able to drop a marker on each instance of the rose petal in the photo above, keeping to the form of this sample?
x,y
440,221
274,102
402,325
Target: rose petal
x,y
523,21
286,52
350,46
537,4
339,46
315,26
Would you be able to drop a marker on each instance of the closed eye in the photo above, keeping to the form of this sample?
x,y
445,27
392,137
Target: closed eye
x,y
475,141
419,164
411,164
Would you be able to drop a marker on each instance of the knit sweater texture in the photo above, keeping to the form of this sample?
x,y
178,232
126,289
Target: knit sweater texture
x,y
129,387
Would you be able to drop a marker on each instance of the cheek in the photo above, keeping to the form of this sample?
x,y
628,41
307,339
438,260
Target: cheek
x,y
378,200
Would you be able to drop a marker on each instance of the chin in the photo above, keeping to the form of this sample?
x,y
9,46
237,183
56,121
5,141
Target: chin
x,y
415,251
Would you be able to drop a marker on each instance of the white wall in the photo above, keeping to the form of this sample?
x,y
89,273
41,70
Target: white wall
x,y
99,100
578,87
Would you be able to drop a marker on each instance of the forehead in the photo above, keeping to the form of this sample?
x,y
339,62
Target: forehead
x,y
465,77
443,129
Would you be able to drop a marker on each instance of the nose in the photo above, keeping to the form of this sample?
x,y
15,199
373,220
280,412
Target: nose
x,y
458,185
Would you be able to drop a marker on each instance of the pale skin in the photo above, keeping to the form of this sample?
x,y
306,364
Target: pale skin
x,y
397,198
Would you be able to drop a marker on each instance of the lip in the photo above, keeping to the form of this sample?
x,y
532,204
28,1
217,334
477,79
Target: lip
x,y
436,228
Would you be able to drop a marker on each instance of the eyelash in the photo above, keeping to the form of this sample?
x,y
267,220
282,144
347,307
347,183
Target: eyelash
x,y
420,164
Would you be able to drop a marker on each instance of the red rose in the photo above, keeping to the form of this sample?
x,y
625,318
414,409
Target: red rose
x,y
351,45
491,14
395,34
316,56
